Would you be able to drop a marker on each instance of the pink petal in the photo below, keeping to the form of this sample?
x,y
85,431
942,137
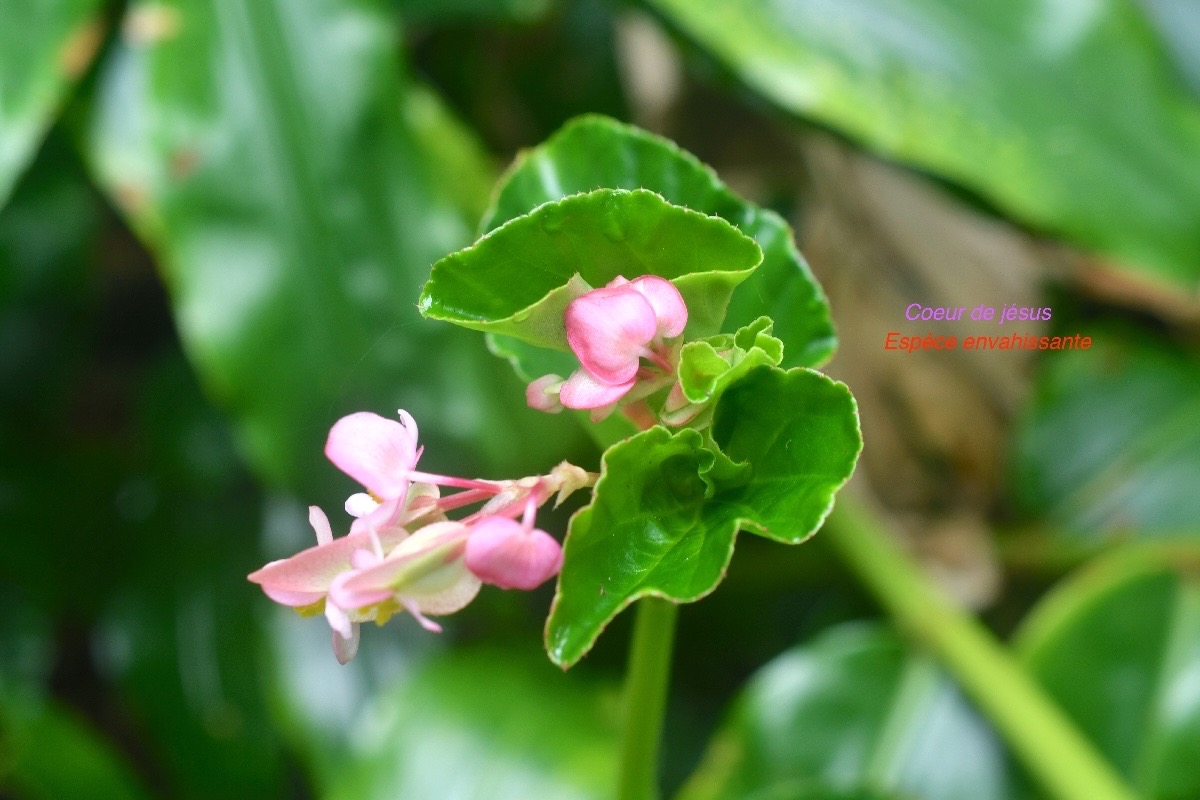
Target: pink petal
x,y
410,424
425,569
581,390
320,524
504,553
542,394
350,599
364,559
376,452
608,329
602,412
339,621
293,599
420,617
670,311
343,648
314,569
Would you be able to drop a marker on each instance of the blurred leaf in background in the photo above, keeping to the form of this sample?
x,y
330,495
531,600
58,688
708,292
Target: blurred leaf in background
x,y
1108,447
47,752
1066,115
1177,23
485,725
295,188
44,48
855,709
519,82
129,521
1118,647
442,11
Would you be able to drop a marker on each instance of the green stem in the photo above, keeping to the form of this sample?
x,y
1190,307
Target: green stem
x,y
1047,552
645,698
1050,747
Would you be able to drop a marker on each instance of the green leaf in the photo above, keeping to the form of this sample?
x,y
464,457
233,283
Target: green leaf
x,y
1065,116
1118,648
294,188
665,511
485,725
708,366
518,279
1108,447
44,48
49,753
593,151
855,708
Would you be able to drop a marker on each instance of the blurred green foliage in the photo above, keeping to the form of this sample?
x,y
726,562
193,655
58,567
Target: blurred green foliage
x,y
217,248
854,708
1109,446
44,48
1066,115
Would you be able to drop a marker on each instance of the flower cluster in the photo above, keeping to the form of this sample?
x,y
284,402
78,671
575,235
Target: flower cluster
x,y
627,337
402,552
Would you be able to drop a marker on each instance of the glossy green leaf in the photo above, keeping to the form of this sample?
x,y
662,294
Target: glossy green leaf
x,y
1109,447
665,511
1118,647
48,753
1066,115
295,188
518,280
593,151
855,708
485,725
44,48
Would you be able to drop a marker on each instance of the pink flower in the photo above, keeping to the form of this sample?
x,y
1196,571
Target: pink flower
x,y
361,577
380,454
424,574
402,553
611,330
303,581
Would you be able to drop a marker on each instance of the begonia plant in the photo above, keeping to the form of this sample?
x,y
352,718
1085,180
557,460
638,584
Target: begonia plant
x,y
647,317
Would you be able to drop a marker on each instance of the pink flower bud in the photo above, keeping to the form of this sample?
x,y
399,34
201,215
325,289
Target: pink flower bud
x,y
542,394
608,329
582,390
512,555
670,312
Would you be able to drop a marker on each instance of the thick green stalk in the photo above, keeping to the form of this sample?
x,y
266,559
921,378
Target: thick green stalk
x,y
1049,746
645,698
